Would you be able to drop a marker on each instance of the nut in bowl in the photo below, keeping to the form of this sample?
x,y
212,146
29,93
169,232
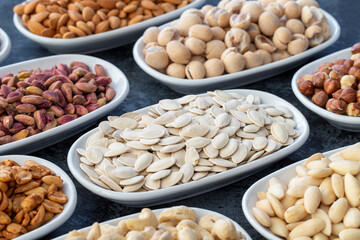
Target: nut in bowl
x,y
216,45
183,147
329,87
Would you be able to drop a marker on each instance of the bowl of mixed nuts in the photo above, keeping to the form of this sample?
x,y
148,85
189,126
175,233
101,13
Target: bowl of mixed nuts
x,y
94,25
5,45
37,197
46,100
330,88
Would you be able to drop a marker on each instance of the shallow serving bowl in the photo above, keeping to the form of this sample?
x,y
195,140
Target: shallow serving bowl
x,y
192,188
68,188
234,79
52,136
199,212
102,41
5,45
250,197
340,121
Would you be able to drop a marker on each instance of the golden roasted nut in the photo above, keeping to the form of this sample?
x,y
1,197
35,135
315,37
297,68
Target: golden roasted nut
x,y
353,109
306,87
336,106
320,98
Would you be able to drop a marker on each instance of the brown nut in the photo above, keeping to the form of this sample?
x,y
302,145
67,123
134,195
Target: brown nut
x,y
348,95
348,81
282,36
336,94
306,87
319,79
252,59
65,119
314,35
156,57
178,52
195,70
325,67
201,32
195,45
233,60
331,86
298,44
265,43
355,72
241,20
176,70
24,119
355,48
320,98
353,109
214,49
253,8
214,67
31,201
268,23
336,106
218,17
338,71
238,38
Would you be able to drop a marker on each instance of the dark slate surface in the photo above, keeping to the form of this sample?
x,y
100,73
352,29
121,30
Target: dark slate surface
x,y
144,90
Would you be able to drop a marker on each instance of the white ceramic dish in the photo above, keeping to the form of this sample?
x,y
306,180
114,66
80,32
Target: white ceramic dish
x,y
102,41
199,212
235,79
250,197
44,139
195,187
340,121
68,188
5,45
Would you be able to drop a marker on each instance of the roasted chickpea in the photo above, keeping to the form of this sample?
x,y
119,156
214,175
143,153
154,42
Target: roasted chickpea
x,y
292,10
233,60
298,44
214,49
265,43
314,35
253,59
253,8
195,70
268,23
156,57
295,26
266,56
241,20
151,34
214,67
282,36
201,32
196,46
167,34
253,30
239,38
218,33
176,70
178,52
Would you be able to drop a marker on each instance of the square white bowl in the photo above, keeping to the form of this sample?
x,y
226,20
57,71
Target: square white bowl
x,y
68,188
241,78
5,45
59,133
203,185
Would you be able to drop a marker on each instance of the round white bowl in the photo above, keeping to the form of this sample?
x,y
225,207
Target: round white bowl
x,y
5,45
242,78
59,133
250,197
68,188
199,212
102,41
343,122
192,188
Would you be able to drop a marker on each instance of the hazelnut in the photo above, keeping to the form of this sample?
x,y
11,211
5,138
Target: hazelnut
x,y
214,67
252,59
336,94
201,32
298,44
218,33
355,48
304,78
338,71
314,35
156,57
325,67
311,15
356,62
233,60
253,30
176,70
339,61
199,58
186,21
336,106
292,10
241,20
353,109
266,56
253,8
306,87
218,17
195,70
214,49
331,86
151,35
268,23
237,37
320,98
265,43
275,8
319,79
280,55
167,34
282,36
348,95
308,3
178,52
348,81
295,26
196,46
358,94
355,72
350,63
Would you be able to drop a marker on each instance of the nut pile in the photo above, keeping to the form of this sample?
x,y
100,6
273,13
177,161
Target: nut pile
x,y
37,100
336,85
31,196
321,201
186,139
233,36
79,18
172,223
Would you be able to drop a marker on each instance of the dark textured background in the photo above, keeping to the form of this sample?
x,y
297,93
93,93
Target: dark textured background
x,y
144,90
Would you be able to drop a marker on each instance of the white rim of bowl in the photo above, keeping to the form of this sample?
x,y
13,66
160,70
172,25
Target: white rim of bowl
x,y
5,47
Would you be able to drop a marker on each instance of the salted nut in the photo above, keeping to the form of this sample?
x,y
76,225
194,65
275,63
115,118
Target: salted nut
x,y
176,70
218,17
298,44
311,15
166,35
253,8
233,60
151,35
233,7
214,49
314,35
266,56
282,36
253,59
214,67
186,21
195,70
241,20
275,8
178,52
156,57
268,23
292,10
295,26
195,45
201,32
218,33
253,30
265,43
239,38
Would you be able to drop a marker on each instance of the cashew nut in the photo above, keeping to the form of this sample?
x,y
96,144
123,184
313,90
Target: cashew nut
x,y
161,235
207,222
178,213
94,232
188,233
191,224
146,218
223,229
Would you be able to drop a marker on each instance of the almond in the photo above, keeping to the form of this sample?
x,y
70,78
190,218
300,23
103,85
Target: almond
x,y
69,35
75,16
261,217
39,17
327,193
349,234
62,20
149,5
19,9
337,183
295,213
352,218
108,4
265,205
88,13
114,22
82,26
278,226
320,172
276,205
30,7
47,32
35,27
338,210
136,19
308,228
78,32
314,157
312,199
345,166
320,214
352,190
91,4
102,26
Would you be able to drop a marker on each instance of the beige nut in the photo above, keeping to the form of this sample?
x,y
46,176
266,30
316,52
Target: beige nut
x,y
253,59
186,21
265,43
314,35
295,26
241,20
195,45
195,70
298,44
311,15
282,36
201,32
253,30
268,23
224,229
178,52
218,33
214,49
292,10
176,70
266,56
167,34
275,8
156,57
214,67
253,8
151,35
233,60
218,17
238,38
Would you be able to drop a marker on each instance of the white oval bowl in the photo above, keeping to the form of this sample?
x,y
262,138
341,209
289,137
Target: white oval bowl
x,y
59,133
242,78
192,188
101,41
250,197
200,212
5,45
68,188
340,121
